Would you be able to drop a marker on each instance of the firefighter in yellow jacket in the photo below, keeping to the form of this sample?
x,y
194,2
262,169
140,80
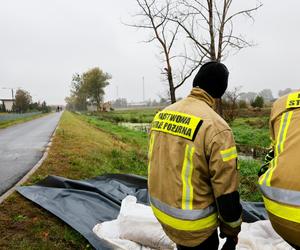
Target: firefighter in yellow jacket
x,y
193,177
280,184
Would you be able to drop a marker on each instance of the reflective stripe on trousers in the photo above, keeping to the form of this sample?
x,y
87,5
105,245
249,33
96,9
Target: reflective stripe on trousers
x,y
185,220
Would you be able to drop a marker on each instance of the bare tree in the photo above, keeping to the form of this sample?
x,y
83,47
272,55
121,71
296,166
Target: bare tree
x,y
230,103
179,61
210,26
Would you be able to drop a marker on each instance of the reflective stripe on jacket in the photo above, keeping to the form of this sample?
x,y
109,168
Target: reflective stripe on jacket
x,y
192,162
280,185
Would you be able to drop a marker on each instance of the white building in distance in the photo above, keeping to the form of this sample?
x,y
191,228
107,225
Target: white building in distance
x,y
8,104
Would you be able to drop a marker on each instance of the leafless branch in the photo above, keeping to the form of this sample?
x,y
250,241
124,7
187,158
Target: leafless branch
x,y
247,12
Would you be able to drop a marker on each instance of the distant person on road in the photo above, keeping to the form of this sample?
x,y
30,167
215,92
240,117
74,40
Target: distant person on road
x,y
280,184
193,174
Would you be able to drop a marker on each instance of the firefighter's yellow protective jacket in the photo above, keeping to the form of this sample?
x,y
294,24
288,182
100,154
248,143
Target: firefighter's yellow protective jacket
x,y
280,185
192,162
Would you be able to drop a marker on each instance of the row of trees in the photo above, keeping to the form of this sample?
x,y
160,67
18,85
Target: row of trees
x,y
253,98
23,103
123,103
87,89
190,32
232,99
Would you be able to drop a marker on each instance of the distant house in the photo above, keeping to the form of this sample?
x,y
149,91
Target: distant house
x,y
104,107
8,104
137,104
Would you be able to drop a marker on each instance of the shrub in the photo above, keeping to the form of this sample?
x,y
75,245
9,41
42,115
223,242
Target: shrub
x,y
258,102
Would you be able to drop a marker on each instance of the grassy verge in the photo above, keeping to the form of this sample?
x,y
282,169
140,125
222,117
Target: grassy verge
x,y
134,116
83,147
252,131
8,123
121,133
79,150
248,183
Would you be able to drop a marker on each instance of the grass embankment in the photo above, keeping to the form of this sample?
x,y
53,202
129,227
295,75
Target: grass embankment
x,y
248,182
134,116
8,123
79,150
252,131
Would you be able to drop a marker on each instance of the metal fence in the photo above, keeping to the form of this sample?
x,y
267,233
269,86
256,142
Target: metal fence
x,y
7,117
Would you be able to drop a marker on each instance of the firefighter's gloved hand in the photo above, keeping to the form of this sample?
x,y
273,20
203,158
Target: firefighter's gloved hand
x,y
228,232
231,234
269,156
230,243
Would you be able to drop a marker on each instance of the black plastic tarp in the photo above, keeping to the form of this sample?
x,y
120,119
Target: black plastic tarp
x,y
83,204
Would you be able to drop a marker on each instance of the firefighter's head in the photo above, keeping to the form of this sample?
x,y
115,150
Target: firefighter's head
x,y
213,78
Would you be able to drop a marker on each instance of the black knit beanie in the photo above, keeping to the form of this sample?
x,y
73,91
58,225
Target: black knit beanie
x,y
213,78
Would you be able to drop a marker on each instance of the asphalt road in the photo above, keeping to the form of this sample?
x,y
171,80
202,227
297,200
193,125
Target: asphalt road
x,y
22,146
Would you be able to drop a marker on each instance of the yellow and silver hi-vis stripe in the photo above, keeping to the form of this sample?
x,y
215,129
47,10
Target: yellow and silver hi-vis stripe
x,y
293,100
151,143
233,224
286,212
229,154
279,147
185,220
282,202
186,175
177,123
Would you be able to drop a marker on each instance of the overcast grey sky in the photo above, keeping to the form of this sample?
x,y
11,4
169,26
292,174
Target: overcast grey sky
x,y
43,43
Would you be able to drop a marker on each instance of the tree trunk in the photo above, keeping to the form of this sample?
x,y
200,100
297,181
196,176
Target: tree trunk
x,y
172,94
171,85
211,30
219,107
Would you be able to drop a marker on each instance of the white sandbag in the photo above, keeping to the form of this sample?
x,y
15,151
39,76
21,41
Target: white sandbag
x,y
109,232
260,236
137,223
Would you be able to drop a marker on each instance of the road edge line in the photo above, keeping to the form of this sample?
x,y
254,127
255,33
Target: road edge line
x,y
31,172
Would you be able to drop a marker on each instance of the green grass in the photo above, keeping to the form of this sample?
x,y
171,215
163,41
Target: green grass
x,y
8,123
134,116
253,132
121,133
248,183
